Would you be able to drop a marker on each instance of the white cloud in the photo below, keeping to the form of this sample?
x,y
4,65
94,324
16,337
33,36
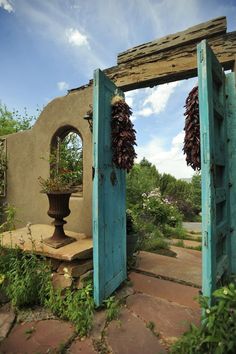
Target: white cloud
x,y
6,5
62,85
166,160
129,98
157,99
76,38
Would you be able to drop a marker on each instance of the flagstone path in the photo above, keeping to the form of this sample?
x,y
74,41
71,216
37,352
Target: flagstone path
x,y
155,312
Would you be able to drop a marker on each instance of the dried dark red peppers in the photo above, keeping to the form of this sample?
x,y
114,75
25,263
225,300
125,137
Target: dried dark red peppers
x,y
123,134
192,130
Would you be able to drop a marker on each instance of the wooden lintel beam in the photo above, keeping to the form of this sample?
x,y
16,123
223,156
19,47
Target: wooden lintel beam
x,y
171,65
203,30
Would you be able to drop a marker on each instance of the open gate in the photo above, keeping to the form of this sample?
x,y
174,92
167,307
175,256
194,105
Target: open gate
x,y
217,169
217,101
109,197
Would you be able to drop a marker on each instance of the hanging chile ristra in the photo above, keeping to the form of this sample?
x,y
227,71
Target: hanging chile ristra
x,y
123,134
192,130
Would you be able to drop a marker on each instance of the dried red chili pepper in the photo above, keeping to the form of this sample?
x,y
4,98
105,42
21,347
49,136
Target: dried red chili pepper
x,y
123,134
192,130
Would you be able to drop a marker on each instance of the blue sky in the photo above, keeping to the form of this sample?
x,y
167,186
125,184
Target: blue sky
x,y
48,46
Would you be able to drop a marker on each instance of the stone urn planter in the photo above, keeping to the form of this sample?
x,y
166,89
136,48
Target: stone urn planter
x,y
58,192
58,210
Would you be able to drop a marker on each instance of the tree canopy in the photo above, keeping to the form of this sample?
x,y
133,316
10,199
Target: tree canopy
x,y
144,178
13,122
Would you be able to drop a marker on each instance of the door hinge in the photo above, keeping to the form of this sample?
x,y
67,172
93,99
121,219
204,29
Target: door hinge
x,y
201,56
205,238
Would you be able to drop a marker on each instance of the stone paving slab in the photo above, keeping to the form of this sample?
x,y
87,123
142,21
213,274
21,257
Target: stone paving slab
x,y
82,347
170,319
7,317
81,248
129,335
37,337
168,290
185,267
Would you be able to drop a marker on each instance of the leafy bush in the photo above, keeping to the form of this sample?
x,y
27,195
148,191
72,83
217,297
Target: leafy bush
x,y
160,211
154,242
175,232
217,332
25,277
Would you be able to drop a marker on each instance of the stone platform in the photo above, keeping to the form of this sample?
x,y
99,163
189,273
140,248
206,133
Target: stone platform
x,y
31,238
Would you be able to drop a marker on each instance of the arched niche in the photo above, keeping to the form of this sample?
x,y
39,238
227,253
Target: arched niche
x,y
66,156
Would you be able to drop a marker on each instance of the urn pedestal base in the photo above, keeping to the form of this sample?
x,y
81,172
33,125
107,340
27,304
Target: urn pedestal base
x,y
59,238
58,243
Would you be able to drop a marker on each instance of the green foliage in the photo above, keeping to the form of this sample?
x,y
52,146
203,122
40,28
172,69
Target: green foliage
x,y
113,308
55,184
143,178
154,242
217,332
196,192
9,215
67,159
159,211
13,122
175,232
66,162
75,306
25,277
26,280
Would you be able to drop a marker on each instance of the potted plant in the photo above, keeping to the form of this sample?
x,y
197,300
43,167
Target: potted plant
x,y
58,191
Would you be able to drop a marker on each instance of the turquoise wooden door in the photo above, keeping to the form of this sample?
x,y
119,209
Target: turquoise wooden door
x,y
216,169
109,197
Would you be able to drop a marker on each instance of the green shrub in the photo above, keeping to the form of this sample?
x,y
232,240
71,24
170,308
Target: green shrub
x,y
217,332
174,232
159,211
76,306
154,242
25,275
26,280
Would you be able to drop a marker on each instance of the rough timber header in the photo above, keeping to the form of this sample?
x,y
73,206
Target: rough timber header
x,y
173,57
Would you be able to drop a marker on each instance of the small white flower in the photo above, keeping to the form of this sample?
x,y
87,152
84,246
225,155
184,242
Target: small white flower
x,y
67,276
208,311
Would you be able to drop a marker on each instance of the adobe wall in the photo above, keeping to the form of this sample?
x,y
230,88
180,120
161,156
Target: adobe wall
x,y
25,164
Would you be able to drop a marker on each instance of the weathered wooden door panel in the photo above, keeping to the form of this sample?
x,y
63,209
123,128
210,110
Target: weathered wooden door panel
x,y
231,130
215,171
109,197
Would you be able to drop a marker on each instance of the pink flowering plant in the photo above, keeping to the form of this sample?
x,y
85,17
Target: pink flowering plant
x,y
160,211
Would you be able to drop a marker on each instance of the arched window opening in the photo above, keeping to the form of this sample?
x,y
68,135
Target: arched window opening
x,y
66,158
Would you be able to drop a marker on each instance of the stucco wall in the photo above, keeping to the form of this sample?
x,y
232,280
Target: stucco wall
x,y
25,164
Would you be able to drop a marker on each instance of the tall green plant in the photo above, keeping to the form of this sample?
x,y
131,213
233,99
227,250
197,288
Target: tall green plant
x,y
217,332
